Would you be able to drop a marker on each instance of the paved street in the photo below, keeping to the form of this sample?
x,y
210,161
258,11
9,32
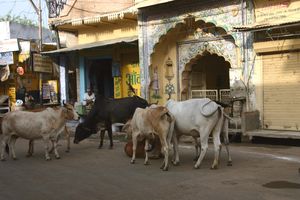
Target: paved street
x,y
258,172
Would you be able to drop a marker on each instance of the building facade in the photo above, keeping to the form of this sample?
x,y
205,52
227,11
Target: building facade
x,y
104,52
193,49
276,68
218,49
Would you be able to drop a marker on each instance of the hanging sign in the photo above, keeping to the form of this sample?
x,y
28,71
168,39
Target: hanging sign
x,y
42,63
6,58
9,45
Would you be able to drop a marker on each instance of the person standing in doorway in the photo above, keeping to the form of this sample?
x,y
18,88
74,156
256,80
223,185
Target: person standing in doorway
x,y
89,98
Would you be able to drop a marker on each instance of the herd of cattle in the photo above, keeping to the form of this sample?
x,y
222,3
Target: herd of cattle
x,y
198,118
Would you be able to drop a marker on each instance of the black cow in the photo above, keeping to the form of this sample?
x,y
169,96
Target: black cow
x,y
107,111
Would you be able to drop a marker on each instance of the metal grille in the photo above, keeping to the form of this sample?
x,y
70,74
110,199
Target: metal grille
x,y
212,94
224,95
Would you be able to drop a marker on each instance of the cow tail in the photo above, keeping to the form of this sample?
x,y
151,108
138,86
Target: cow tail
x,y
171,129
229,118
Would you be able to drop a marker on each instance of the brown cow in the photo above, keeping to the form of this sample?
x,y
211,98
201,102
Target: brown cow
x,y
147,122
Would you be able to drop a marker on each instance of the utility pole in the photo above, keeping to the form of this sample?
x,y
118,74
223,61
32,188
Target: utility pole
x,y
38,11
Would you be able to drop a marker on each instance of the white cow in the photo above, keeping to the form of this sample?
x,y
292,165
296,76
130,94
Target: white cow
x,y
46,124
146,122
224,135
197,118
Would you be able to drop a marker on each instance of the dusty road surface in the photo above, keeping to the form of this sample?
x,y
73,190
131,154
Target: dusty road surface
x,y
258,172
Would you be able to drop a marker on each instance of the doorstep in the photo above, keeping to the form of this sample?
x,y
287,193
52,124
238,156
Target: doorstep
x,y
273,134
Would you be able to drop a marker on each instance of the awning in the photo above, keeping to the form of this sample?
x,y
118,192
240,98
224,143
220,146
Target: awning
x,y
93,45
265,26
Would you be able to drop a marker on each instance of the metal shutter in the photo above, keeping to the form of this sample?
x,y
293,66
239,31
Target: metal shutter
x,y
281,86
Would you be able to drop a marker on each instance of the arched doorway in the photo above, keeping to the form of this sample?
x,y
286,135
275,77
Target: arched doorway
x,y
206,76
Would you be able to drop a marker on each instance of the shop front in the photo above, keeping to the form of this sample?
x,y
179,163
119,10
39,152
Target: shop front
x,y
277,48
27,77
107,68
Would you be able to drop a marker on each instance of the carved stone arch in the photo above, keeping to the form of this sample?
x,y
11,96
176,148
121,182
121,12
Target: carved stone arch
x,y
185,73
161,28
189,50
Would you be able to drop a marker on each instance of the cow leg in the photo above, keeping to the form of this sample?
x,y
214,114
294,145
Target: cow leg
x,y
226,141
134,144
204,147
217,149
175,148
217,143
67,133
11,145
30,148
109,131
46,146
102,132
165,149
54,143
146,162
197,148
4,142
51,146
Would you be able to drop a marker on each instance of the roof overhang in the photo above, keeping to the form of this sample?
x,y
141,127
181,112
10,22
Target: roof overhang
x,y
105,17
144,4
265,26
93,45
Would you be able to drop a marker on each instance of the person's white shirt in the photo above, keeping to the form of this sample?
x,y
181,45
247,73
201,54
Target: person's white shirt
x,y
88,97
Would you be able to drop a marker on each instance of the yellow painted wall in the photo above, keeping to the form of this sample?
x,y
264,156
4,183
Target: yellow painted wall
x,y
164,50
130,71
107,32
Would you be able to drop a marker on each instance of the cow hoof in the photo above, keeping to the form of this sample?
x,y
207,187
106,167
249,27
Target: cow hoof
x,y
48,159
57,157
214,167
132,161
229,163
146,163
165,168
15,158
67,151
175,163
28,155
196,166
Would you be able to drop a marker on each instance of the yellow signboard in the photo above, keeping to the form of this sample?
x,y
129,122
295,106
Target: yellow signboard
x,y
277,11
12,94
117,88
131,75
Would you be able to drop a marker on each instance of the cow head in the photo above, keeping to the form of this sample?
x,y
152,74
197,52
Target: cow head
x,y
71,113
81,133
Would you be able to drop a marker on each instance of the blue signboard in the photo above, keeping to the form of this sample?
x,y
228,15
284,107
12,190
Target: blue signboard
x,y
6,58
